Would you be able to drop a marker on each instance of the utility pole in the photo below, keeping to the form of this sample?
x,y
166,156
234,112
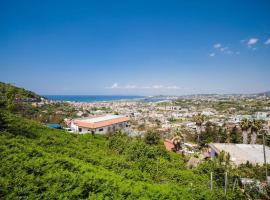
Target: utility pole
x,y
226,180
211,181
264,155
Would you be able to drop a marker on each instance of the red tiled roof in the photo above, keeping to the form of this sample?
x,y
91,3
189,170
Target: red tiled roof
x,y
168,145
100,124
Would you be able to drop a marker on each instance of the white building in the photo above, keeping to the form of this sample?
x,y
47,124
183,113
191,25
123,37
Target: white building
x,y
241,153
98,125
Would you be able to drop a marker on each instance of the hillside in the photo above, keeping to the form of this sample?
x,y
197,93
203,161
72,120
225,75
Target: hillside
x,y
9,91
40,163
32,106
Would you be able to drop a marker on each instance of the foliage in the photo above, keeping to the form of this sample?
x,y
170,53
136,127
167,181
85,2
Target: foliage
x,y
41,163
215,134
152,137
199,119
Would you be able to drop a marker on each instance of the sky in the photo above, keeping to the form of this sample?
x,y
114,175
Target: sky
x,y
138,47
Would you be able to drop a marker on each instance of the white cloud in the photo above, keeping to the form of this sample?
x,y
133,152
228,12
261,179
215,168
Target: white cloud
x,y
267,41
216,46
212,54
113,86
154,87
252,41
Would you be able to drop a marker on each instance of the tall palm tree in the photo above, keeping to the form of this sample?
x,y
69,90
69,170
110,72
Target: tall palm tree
x,y
199,119
245,125
256,126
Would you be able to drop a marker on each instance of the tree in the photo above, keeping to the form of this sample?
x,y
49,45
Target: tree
x,y
222,135
177,141
245,126
234,134
2,121
151,137
199,120
256,126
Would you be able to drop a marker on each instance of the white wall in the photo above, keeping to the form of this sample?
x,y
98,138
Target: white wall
x,y
102,130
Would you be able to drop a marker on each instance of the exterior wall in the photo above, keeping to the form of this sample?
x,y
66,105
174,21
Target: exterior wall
x,y
213,153
101,130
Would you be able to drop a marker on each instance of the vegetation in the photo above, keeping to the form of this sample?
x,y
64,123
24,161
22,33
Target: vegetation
x,y
245,126
248,126
152,137
199,120
26,103
41,163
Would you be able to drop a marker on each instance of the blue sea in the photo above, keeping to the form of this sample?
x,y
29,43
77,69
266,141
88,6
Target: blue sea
x,y
92,98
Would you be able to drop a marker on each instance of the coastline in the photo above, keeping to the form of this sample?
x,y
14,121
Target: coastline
x,y
93,98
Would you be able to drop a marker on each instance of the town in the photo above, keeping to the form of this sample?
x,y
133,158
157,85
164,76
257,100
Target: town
x,y
168,116
231,123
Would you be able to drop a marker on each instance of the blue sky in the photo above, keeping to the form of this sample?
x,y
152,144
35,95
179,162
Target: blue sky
x,y
136,47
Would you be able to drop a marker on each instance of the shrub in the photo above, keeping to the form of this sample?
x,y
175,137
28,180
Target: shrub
x,y
152,137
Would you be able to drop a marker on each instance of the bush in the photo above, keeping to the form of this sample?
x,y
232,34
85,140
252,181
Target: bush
x,y
152,137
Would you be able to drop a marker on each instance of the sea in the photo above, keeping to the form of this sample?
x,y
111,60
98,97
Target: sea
x,y
92,98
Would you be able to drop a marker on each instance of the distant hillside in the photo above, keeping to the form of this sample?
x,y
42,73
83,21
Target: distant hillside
x,y
9,90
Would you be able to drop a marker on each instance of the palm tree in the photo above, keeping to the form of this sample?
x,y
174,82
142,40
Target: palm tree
x,y
198,119
256,126
245,125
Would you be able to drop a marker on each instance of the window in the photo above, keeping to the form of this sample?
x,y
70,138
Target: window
x,y
101,129
80,129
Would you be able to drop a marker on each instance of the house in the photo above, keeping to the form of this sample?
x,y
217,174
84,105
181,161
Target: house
x,y
241,153
100,125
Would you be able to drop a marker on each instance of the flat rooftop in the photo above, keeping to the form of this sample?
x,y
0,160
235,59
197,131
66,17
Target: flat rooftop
x,y
241,153
101,121
101,118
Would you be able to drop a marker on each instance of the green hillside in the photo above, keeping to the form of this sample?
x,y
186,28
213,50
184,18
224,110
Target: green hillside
x,y
40,163
30,105
11,92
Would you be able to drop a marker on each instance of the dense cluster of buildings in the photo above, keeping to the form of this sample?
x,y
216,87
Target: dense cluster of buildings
x,y
167,116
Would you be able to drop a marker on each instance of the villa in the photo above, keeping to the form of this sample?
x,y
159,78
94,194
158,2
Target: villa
x,y
98,125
